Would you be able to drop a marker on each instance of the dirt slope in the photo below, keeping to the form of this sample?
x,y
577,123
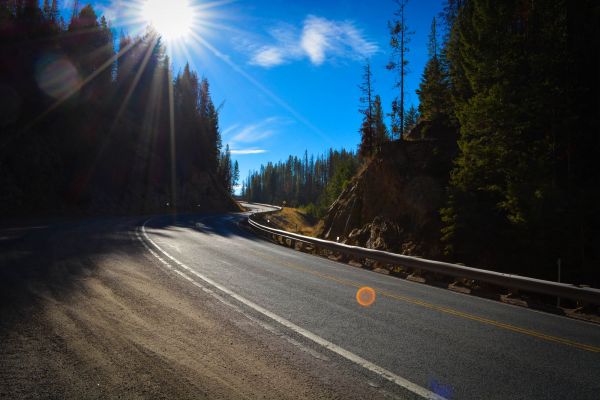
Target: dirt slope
x,y
393,202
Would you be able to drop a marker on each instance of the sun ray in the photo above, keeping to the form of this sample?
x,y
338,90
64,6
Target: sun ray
x,y
172,142
80,85
299,117
137,77
119,114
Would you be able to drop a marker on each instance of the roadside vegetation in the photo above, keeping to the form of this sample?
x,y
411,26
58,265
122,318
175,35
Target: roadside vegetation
x,y
297,220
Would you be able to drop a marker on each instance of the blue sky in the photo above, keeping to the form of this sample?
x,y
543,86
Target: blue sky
x,y
287,71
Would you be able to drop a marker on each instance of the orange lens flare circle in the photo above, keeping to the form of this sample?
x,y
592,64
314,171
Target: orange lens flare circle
x,y
365,296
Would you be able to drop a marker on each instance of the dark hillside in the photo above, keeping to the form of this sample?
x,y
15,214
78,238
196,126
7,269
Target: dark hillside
x,y
393,202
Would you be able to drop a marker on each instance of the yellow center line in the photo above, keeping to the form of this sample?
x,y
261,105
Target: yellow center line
x,y
443,309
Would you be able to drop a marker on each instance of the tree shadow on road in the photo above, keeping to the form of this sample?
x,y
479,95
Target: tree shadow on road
x,y
51,260
227,225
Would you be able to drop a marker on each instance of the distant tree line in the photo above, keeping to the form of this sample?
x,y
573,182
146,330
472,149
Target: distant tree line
x,y
85,127
302,182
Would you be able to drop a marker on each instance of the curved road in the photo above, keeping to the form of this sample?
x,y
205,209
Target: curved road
x,y
438,341
195,306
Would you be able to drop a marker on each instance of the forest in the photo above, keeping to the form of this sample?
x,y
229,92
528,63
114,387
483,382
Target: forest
x,y
512,88
89,128
302,182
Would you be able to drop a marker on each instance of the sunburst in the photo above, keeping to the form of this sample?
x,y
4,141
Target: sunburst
x,y
173,19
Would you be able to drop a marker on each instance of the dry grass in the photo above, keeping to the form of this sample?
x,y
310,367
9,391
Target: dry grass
x,y
294,220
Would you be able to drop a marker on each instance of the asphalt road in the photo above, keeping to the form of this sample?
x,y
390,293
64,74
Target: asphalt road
x,y
455,345
195,306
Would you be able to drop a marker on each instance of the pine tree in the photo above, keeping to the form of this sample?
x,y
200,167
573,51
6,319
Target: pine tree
x,y
513,200
380,130
433,45
54,12
112,139
225,172
213,134
412,117
400,38
75,10
367,130
434,91
235,176
46,10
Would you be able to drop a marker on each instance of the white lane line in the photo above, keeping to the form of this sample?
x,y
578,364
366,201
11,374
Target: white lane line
x,y
384,373
220,298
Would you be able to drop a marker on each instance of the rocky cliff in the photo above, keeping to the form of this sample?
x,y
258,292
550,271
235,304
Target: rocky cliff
x,y
394,200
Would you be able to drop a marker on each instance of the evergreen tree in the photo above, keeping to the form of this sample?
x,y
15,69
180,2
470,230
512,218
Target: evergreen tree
x,y
54,12
513,200
235,175
434,90
367,129
46,10
433,47
400,38
380,130
412,117
213,134
225,172
107,144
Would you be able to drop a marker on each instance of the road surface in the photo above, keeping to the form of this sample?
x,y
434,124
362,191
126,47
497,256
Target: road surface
x,y
282,322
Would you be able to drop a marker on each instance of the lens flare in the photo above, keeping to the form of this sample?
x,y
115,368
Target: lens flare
x,y
56,76
365,296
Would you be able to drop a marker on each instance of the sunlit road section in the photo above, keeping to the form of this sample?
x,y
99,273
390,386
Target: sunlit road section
x,y
442,343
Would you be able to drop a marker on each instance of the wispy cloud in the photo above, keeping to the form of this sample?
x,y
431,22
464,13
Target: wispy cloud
x,y
319,40
247,151
230,129
268,56
258,131
239,136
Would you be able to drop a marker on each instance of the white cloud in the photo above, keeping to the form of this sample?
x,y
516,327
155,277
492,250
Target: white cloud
x,y
268,56
316,38
247,151
251,134
255,132
242,135
319,40
230,129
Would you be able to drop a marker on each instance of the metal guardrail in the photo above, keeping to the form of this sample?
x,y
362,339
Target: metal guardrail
x,y
510,281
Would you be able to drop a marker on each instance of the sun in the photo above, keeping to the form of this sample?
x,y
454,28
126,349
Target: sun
x,y
172,19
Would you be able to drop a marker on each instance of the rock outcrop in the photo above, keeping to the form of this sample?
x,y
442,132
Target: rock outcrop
x,y
394,200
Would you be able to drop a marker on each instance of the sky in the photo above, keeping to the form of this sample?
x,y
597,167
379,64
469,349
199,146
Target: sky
x,y
286,73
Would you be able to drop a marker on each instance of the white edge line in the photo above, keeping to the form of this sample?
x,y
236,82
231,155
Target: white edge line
x,y
384,373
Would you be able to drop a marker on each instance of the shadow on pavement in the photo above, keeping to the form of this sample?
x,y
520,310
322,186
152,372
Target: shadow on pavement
x,y
52,260
224,225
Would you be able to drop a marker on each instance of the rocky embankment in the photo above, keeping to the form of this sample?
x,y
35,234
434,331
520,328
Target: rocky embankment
x,y
393,202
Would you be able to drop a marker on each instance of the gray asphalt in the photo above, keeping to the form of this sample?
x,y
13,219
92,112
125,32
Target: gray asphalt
x,y
456,345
